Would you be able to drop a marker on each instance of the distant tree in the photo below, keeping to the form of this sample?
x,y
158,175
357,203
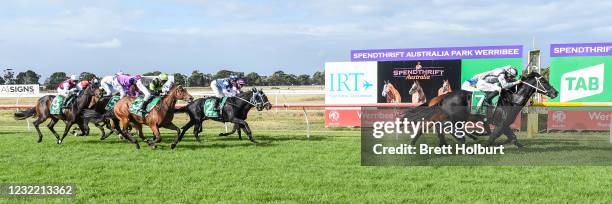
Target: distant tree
x,y
153,73
27,77
226,73
291,79
9,76
253,79
86,76
277,78
1,80
196,79
53,80
180,79
318,78
304,79
207,78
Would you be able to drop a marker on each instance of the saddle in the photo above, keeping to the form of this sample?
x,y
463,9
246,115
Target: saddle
x,y
111,103
135,107
57,105
211,110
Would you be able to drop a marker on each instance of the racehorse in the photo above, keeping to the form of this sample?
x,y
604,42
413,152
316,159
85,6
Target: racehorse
x,y
235,110
70,116
446,88
455,107
390,93
99,108
160,116
418,95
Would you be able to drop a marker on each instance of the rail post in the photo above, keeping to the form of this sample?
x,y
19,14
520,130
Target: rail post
x,y
532,124
307,123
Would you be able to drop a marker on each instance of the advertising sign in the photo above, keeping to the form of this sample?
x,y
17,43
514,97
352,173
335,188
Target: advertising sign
x,y
417,81
580,72
349,83
19,90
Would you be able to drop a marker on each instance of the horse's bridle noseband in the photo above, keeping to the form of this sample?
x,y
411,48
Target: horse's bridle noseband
x,y
253,101
537,86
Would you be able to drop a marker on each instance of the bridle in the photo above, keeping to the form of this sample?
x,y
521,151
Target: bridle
x,y
537,86
253,101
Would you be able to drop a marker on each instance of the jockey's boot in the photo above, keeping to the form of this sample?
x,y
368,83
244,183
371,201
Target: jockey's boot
x,y
68,101
488,104
143,107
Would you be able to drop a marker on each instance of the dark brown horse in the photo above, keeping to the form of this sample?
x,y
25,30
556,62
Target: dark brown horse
x,y
160,116
70,116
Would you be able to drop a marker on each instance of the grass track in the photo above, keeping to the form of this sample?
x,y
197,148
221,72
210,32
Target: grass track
x,y
285,167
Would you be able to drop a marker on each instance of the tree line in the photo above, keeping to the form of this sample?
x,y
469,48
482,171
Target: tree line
x,y
196,79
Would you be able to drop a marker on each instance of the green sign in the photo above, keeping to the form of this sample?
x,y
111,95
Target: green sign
x,y
582,79
471,67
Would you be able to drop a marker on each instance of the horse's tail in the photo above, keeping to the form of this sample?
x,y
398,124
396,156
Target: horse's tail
x,y
22,115
423,111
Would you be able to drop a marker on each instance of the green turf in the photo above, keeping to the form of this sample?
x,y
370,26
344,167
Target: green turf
x,y
284,167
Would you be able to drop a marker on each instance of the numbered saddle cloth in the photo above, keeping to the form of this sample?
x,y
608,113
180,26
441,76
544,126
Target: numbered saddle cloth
x,y
477,101
111,103
57,104
135,107
212,111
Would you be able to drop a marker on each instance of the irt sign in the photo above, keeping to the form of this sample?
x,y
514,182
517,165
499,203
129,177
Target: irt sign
x,y
350,82
354,81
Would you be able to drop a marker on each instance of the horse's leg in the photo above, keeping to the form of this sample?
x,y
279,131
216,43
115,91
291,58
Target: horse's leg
x,y
66,130
512,137
245,126
51,125
198,129
172,126
416,137
442,139
180,135
239,131
155,130
234,128
102,132
126,133
36,123
494,135
140,132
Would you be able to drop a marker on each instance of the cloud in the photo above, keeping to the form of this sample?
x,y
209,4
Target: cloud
x,y
113,43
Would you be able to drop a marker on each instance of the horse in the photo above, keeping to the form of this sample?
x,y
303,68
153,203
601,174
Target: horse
x,y
390,93
99,108
446,88
70,116
160,116
235,110
454,107
418,95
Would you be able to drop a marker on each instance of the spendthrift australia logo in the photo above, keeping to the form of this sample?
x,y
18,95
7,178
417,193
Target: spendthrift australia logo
x,y
582,83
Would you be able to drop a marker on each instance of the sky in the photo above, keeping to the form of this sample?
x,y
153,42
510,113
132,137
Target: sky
x,y
106,36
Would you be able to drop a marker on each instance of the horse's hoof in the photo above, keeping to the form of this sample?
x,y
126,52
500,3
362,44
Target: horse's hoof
x,y
222,135
59,142
172,146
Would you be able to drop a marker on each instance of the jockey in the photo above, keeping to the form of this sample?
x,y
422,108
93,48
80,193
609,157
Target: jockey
x,y
68,88
124,83
226,86
151,87
110,85
492,82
